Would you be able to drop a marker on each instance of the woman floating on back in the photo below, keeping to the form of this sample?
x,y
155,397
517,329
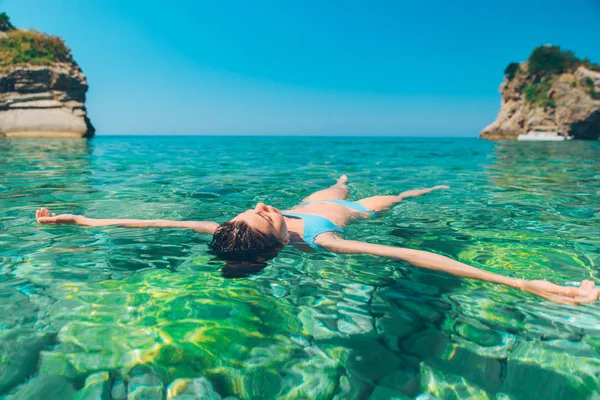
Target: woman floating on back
x,y
256,236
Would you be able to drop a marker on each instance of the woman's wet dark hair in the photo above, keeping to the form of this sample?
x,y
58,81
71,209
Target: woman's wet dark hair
x,y
236,241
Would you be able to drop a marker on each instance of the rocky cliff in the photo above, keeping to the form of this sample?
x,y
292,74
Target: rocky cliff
x,y
42,89
566,102
44,101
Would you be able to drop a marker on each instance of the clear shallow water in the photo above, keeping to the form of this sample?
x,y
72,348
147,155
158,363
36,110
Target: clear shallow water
x,y
77,301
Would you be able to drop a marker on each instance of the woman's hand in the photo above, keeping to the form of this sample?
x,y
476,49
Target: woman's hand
x,y
440,187
586,293
43,216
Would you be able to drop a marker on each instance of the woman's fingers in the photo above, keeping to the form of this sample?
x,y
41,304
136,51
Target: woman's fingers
x,y
569,291
44,216
586,293
588,296
587,284
555,298
43,213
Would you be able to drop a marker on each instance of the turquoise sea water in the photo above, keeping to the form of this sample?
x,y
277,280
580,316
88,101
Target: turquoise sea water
x,y
137,309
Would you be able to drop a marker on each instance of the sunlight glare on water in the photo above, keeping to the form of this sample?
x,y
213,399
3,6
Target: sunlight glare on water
x,y
150,308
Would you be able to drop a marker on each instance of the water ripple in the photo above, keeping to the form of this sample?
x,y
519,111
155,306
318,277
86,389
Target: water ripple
x,y
81,300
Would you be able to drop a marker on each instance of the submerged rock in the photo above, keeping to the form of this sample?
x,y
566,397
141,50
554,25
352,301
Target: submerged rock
x,y
384,393
143,384
119,390
370,360
97,387
47,387
405,380
439,385
192,389
427,343
19,354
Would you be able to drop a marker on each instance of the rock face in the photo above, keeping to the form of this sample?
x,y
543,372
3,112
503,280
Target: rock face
x,y
44,101
576,112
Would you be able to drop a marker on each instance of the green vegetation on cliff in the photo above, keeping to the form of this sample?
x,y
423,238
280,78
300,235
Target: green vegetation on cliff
x,y
537,93
5,24
543,66
511,70
547,61
589,83
20,47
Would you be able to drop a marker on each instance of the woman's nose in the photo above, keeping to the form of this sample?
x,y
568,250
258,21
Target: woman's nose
x,y
260,207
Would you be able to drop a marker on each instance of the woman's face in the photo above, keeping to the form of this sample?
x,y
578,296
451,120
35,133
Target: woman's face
x,y
266,219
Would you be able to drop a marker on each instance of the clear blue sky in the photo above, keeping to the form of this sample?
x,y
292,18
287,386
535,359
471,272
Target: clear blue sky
x,y
337,67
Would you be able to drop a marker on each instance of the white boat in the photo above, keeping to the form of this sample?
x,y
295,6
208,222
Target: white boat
x,y
543,136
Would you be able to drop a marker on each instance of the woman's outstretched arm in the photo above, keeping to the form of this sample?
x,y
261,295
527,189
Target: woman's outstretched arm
x,y
43,216
587,293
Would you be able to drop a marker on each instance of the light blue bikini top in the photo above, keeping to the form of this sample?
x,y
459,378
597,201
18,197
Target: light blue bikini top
x,y
314,225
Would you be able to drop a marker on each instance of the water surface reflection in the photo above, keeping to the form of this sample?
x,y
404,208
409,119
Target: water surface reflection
x,y
152,305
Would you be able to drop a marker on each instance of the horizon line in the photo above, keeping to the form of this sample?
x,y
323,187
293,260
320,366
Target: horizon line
x,y
284,135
